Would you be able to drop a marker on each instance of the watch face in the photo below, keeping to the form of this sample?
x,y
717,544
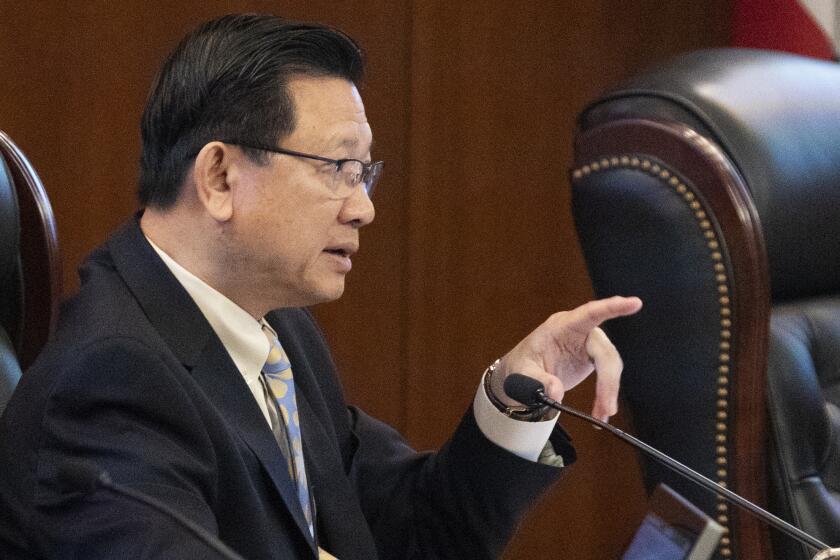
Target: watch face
x,y
519,412
529,414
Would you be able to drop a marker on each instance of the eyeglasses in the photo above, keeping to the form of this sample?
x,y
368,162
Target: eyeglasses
x,y
348,172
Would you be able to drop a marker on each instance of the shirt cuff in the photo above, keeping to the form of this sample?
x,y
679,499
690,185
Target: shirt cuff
x,y
524,439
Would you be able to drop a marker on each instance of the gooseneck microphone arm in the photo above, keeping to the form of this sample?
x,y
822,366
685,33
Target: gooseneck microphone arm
x,y
529,391
86,478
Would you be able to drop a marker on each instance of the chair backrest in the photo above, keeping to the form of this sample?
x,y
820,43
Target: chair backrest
x,y
30,269
10,292
710,187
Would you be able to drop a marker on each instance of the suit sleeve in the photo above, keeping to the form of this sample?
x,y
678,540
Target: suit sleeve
x,y
117,406
463,501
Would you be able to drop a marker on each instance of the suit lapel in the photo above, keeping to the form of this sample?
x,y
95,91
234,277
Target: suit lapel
x,y
180,323
166,303
340,520
218,376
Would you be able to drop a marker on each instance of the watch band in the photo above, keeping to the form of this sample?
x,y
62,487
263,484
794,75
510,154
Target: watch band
x,y
522,412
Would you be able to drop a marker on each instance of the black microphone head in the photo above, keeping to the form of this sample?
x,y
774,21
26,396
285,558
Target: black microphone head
x,y
79,476
524,389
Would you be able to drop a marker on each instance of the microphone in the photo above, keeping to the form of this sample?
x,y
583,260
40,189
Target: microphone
x,y
87,478
531,392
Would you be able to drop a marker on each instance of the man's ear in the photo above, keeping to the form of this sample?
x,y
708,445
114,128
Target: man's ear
x,y
211,180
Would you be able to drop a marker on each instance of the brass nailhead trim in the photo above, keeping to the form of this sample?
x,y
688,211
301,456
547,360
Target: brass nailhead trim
x,y
723,288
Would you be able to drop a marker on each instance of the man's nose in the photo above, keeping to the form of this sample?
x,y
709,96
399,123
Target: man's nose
x,y
358,208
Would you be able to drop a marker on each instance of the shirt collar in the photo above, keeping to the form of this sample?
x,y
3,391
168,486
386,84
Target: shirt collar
x,y
240,333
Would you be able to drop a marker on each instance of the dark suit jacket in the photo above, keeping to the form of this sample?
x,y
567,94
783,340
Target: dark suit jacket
x,y
138,383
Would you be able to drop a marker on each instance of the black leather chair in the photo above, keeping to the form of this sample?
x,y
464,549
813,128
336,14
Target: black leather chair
x,y
30,270
710,187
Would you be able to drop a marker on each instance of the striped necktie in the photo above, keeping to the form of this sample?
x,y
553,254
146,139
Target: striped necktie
x,y
278,375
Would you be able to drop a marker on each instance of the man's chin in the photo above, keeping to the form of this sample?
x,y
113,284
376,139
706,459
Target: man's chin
x,y
326,293
309,294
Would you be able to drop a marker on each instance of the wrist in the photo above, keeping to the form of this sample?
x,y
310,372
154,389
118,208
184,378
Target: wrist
x,y
494,388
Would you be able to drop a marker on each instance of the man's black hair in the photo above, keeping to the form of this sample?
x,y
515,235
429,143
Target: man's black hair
x,y
228,79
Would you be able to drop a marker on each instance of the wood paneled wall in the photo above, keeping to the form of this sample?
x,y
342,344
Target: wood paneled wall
x,y
473,107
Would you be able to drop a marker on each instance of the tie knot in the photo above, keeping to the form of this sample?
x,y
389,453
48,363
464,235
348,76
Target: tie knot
x,y
277,361
269,334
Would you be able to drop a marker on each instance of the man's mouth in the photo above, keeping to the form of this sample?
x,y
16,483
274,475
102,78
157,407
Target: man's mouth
x,y
342,250
339,252
342,255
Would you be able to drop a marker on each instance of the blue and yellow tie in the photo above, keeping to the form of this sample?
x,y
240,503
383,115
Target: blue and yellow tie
x,y
278,374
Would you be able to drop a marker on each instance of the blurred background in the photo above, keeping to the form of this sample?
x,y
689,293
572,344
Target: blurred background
x,y
473,107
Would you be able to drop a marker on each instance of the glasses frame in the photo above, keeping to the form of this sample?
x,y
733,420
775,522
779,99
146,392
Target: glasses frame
x,y
373,168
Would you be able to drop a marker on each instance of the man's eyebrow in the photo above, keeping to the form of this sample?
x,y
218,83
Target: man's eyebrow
x,y
349,142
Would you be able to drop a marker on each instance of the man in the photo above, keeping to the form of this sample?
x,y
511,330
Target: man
x,y
188,368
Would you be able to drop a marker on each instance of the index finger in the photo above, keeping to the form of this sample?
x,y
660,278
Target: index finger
x,y
590,315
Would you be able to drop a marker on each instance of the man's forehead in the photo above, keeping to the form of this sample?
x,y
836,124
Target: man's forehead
x,y
327,96
330,108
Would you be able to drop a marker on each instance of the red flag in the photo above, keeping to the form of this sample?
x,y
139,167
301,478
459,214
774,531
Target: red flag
x,y
805,27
